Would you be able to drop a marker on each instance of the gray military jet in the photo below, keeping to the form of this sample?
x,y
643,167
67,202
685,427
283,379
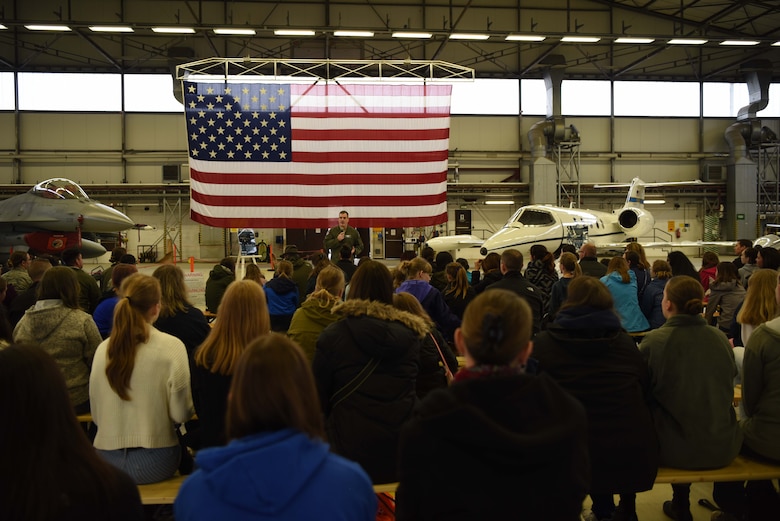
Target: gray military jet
x,y
51,217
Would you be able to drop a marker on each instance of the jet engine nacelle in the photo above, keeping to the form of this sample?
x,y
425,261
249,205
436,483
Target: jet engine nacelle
x,y
635,222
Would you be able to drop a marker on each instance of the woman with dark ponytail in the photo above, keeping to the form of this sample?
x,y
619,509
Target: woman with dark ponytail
x,y
687,360
497,432
541,269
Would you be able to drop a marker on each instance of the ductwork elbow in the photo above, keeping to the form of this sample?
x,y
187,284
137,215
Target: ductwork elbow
x,y
735,136
537,137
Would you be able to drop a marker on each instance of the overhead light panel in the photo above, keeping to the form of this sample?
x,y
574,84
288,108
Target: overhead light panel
x,y
469,36
60,28
499,201
655,201
745,43
235,31
580,39
408,34
525,38
173,30
776,44
354,34
294,32
111,28
687,41
2,27
627,39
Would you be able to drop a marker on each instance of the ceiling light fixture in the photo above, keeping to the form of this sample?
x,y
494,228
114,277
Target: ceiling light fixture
x,y
3,27
655,201
173,30
524,38
686,41
580,39
627,39
234,31
110,29
499,201
61,28
294,32
468,36
407,34
776,44
354,34
746,43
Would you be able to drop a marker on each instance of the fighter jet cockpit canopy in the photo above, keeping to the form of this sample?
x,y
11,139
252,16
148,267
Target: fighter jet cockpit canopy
x,y
59,188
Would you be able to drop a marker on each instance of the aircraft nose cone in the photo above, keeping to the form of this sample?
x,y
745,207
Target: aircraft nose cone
x,y
101,218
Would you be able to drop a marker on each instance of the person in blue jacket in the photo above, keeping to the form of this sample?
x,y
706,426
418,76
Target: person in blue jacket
x,y
621,282
276,466
417,275
281,293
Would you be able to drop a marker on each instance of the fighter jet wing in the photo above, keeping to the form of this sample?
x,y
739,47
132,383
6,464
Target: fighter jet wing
x,y
669,244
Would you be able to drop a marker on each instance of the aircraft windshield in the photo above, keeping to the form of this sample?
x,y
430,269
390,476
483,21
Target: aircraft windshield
x,y
59,188
533,217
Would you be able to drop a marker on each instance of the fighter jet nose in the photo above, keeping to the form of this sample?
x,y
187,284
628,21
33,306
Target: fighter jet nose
x,y
101,218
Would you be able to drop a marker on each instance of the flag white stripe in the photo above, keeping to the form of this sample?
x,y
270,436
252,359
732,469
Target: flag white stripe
x,y
249,167
375,123
285,190
397,147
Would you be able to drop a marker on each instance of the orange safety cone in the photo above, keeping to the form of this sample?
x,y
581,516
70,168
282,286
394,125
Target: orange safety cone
x,y
192,264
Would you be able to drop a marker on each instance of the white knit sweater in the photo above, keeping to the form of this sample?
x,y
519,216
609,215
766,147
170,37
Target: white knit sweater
x,y
159,396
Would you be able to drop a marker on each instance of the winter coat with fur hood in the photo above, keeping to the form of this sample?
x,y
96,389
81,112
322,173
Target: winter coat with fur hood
x,y
364,424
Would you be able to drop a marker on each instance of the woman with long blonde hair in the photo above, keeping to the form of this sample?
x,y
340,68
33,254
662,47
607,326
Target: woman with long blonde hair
x,y
139,387
314,315
243,317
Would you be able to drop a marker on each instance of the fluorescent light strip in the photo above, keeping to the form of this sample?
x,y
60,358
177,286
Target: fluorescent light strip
x,y
234,31
776,44
746,43
110,29
624,39
2,27
294,32
686,41
467,36
354,34
655,201
499,201
173,30
580,39
406,34
61,28
524,38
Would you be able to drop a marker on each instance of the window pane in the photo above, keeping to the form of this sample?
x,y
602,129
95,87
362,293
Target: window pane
x,y
533,97
70,91
656,98
150,93
6,91
585,98
723,100
485,96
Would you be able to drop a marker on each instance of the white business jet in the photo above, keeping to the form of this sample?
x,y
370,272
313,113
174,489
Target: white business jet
x,y
553,226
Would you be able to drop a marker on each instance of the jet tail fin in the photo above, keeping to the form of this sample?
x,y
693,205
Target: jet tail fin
x,y
636,194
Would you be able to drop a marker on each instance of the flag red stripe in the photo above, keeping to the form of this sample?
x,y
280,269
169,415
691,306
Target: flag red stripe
x,y
370,134
324,113
317,180
317,202
369,157
271,222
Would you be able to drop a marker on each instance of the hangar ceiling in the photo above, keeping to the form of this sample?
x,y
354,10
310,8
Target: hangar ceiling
x,y
142,50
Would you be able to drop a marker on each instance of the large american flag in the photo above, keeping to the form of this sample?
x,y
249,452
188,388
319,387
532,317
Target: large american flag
x,y
293,156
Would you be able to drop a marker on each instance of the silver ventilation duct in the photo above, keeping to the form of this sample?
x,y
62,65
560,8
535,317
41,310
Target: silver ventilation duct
x,y
747,130
552,128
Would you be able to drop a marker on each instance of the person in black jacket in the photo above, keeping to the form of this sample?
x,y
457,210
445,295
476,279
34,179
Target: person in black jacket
x,y
366,365
491,272
587,351
513,280
499,443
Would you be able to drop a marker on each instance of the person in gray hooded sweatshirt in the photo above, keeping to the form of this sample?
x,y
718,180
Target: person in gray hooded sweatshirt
x,y
57,323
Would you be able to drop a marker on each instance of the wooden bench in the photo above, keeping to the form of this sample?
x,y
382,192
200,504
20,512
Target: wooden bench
x,y
741,469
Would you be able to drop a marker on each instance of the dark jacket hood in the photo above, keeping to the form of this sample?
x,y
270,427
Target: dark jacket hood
x,y
418,288
220,272
238,473
282,285
586,328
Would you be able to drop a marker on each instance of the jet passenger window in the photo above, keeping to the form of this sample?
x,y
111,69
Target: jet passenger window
x,y
535,218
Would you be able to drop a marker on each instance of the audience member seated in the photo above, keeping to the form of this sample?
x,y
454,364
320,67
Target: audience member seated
x,y
589,264
650,303
642,274
89,294
513,280
621,282
67,333
281,293
491,272
50,470
219,279
726,294
104,312
760,305
498,443
739,248
243,317
569,268
589,354
682,265
253,273
18,275
366,365
346,263
541,269
768,258
760,423
692,373
322,263
458,292
708,271
314,315
435,352
140,387
749,266
106,283
277,465
417,274
439,275
299,272
27,298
